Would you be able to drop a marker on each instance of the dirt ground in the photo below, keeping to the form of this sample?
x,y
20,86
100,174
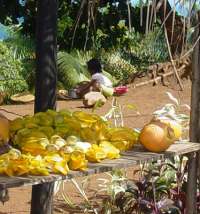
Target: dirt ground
x,y
147,99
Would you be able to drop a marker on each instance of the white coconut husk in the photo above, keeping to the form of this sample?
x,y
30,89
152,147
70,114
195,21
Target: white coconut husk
x,y
91,98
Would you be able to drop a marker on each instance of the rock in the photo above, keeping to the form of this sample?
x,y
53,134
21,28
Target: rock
x,y
91,98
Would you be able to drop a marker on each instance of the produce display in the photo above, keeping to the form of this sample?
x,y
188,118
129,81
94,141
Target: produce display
x,y
56,142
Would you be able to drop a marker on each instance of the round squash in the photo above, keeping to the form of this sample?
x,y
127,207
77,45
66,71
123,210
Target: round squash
x,y
157,137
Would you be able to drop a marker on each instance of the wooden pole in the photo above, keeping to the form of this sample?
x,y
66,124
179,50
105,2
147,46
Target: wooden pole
x,y
194,130
45,88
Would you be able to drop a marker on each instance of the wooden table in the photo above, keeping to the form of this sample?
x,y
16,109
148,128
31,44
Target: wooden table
x,y
128,159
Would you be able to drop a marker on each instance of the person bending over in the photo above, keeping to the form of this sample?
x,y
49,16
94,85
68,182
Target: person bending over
x,y
99,81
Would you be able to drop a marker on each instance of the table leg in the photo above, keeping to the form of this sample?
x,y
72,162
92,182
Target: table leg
x,y
192,185
42,198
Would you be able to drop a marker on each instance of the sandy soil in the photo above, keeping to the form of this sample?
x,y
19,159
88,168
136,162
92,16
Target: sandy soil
x,y
147,99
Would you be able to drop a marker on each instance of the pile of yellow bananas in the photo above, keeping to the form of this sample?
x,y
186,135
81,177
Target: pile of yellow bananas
x,y
54,142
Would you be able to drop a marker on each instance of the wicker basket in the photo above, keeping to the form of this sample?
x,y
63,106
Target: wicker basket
x,y
23,98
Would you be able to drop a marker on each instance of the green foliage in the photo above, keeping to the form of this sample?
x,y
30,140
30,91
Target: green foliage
x,y
147,50
23,47
107,29
118,67
23,50
70,71
82,56
152,48
11,70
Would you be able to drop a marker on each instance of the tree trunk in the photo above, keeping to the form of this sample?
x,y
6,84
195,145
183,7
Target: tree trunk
x,y
46,51
45,87
194,130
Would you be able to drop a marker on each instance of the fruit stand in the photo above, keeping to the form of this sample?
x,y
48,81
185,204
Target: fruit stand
x,y
16,165
128,159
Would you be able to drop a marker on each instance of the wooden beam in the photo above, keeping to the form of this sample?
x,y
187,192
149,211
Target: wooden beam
x,y
45,87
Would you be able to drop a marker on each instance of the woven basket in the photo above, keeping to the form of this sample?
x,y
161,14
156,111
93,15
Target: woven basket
x,y
23,98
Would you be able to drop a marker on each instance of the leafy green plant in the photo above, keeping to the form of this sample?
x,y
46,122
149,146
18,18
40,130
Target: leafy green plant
x,y
146,50
23,51
11,70
118,67
22,47
70,71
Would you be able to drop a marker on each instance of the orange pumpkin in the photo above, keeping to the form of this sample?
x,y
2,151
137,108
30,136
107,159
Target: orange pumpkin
x,y
157,136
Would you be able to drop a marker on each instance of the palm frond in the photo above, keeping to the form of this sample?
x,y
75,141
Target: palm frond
x,y
70,71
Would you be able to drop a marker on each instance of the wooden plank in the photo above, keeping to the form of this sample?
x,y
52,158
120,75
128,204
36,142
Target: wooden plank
x,y
128,159
181,148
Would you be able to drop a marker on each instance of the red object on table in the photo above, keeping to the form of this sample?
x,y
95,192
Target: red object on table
x,y
120,90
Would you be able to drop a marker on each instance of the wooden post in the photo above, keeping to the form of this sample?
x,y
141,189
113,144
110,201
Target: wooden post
x,y
45,88
194,130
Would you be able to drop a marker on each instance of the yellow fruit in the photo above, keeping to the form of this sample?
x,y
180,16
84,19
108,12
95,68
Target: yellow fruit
x,y
111,151
57,164
86,134
157,137
30,122
25,136
77,161
58,141
71,140
73,125
95,154
121,145
62,131
61,168
85,117
34,149
43,119
47,130
122,134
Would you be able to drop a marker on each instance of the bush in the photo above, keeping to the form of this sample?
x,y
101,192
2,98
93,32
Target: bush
x,y
148,49
11,70
118,67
